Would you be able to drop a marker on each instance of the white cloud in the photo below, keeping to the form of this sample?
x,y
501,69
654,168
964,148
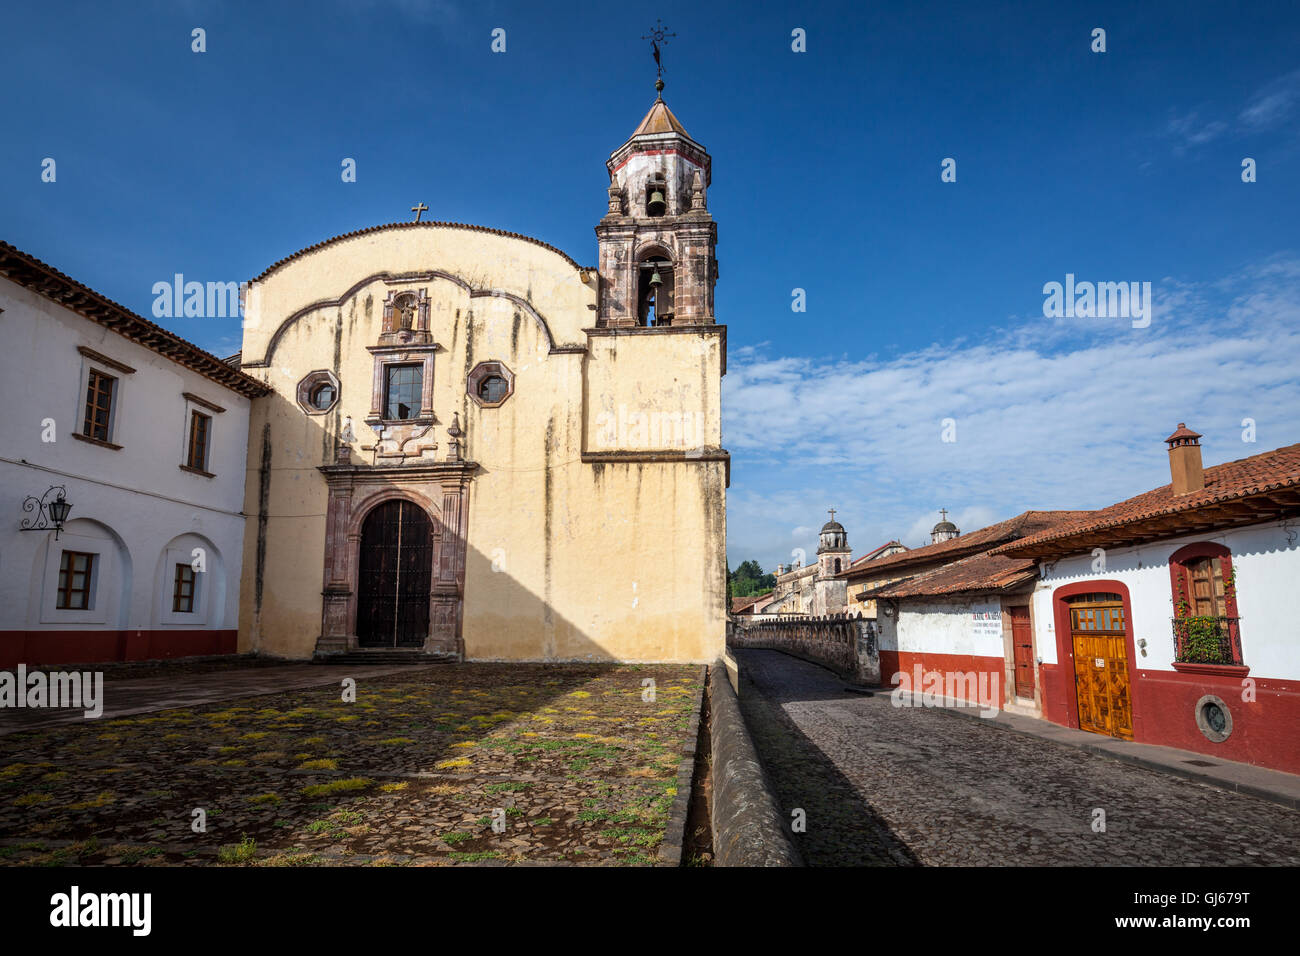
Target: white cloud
x,y
1273,102
1048,416
1189,130
1269,107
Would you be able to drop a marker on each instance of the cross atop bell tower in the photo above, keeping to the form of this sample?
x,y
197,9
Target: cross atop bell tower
x,y
657,265
658,35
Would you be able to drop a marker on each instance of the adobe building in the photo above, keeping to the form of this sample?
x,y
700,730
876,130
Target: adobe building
x,y
476,448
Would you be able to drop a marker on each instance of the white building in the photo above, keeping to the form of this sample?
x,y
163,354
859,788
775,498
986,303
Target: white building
x,y
145,436
956,609
1166,618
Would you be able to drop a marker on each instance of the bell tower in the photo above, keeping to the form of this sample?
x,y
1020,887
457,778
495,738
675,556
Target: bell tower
x,y
657,239
833,551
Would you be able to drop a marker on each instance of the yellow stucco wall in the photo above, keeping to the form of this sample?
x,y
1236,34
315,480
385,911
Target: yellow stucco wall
x,y
566,559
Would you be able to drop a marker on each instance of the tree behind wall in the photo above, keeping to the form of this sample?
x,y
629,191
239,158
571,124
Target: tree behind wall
x,y
748,579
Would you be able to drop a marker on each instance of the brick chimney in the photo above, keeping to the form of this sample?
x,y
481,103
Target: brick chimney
x,y
1185,460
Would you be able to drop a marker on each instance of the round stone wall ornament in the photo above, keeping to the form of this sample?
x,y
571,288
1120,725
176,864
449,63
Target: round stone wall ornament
x,y
1213,718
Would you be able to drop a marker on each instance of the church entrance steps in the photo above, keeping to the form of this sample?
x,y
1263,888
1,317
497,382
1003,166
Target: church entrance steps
x,y
386,656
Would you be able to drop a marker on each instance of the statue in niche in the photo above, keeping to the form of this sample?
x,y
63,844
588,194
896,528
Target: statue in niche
x,y
405,306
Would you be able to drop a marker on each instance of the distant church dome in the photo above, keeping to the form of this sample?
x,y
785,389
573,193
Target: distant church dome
x,y
833,536
945,530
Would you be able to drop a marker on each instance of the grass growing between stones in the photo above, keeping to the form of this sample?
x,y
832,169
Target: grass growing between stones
x,y
474,763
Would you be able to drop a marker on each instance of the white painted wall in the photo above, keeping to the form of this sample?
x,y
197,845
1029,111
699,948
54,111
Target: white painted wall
x,y
135,506
1266,558
950,627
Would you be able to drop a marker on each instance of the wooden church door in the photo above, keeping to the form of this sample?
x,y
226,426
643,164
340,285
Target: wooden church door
x,y
396,565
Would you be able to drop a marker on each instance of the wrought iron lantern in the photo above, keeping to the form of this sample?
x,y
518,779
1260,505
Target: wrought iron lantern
x,y
50,510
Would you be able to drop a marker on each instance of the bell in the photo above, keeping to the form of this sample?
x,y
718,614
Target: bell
x,y
654,279
657,206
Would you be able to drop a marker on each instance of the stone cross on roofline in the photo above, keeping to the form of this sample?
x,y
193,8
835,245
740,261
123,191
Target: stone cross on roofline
x,y
419,209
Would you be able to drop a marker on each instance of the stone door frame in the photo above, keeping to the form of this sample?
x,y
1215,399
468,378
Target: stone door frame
x,y
441,489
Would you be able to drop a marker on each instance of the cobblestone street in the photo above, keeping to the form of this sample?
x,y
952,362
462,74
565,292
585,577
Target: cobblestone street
x,y
887,785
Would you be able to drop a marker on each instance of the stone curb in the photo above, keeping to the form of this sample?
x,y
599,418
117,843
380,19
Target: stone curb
x,y
748,829
670,850
1286,793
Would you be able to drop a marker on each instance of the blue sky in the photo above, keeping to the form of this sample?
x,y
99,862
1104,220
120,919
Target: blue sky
x,y
924,298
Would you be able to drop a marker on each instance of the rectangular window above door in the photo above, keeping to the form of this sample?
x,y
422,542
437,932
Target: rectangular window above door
x,y
402,391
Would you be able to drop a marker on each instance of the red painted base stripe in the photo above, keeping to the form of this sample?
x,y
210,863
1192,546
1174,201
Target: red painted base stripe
x,y
39,648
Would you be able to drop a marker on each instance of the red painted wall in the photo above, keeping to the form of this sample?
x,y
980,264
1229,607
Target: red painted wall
x,y
89,647
893,662
1263,731
1164,702
1055,688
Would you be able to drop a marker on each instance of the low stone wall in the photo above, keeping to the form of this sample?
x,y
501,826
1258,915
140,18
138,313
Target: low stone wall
x,y
748,829
845,644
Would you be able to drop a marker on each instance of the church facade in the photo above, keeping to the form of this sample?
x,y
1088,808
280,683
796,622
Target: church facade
x,y
476,448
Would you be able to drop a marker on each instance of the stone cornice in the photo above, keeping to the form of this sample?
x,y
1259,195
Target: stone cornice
x,y
397,474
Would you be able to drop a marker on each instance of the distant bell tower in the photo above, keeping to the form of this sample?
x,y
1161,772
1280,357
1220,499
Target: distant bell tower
x,y
833,551
657,239
945,530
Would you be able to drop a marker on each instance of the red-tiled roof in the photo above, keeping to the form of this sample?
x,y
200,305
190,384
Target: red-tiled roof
x,y
28,271
979,572
1247,491
870,555
739,604
1022,525
413,225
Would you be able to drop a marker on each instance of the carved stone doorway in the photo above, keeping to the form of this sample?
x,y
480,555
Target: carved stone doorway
x,y
395,541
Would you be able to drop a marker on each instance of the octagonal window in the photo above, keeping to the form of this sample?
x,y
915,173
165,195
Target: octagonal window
x,y
494,388
318,392
322,396
490,384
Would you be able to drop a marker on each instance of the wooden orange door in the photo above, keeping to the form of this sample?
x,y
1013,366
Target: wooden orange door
x,y
1101,664
1022,642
